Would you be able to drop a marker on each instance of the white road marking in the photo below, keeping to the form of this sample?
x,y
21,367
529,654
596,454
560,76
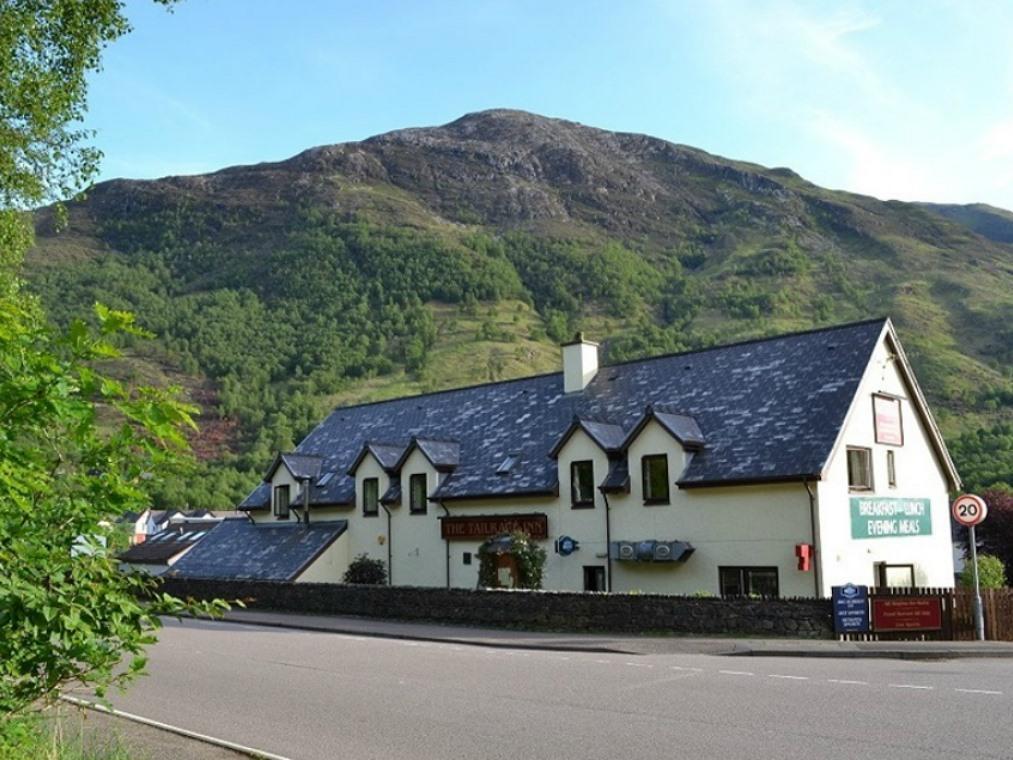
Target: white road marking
x,y
978,691
788,678
604,662
845,681
736,673
679,667
638,664
909,686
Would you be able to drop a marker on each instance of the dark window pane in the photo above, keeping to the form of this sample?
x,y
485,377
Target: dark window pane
x,y
859,468
417,493
762,581
582,483
731,581
655,474
370,496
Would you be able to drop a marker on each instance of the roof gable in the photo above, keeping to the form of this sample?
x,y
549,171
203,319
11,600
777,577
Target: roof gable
x,y
607,436
444,455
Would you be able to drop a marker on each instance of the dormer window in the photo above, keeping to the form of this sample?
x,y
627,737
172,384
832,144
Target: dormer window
x,y
417,493
654,470
582,484
281,500
370,497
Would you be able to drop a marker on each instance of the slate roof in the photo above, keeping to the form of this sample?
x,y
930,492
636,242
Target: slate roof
x,y
443,455
618,478
767,409
238,549
160,547
607,435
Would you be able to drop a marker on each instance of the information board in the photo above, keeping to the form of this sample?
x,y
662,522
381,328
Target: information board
x,y
851,608
873,517
907,613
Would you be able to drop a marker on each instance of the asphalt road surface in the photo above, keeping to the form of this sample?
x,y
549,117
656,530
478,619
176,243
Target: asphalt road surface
x,y
309,695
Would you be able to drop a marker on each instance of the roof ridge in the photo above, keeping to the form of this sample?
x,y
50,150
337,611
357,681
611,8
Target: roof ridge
x,y
744,342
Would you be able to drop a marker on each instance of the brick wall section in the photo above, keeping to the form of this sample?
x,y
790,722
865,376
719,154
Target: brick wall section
x,y
607,613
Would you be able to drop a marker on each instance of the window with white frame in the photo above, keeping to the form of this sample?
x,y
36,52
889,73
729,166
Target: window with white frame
x,y
859,469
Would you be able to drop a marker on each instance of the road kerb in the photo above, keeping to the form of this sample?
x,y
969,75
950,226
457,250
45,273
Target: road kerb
x,y
213,740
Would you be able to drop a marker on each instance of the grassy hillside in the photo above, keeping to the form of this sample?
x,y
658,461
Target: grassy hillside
x,y
432,258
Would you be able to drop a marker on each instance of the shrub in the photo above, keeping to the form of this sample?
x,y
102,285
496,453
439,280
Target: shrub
x,y
365,570
991,572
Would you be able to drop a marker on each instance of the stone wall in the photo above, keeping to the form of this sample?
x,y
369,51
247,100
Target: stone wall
x,y
562,611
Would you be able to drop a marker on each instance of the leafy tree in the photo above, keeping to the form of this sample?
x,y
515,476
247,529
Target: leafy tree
x,y
995,534
66,614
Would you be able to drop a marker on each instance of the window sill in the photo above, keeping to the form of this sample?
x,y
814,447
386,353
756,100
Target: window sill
x,y
656,502
281,517
583,505
370,514
417,511
860,489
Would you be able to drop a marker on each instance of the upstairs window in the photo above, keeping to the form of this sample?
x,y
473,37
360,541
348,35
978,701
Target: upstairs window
x,y
282,495
655,478
417,493
370,497
582,484
891,469
859,469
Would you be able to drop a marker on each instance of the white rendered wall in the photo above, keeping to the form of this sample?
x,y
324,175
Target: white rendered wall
x,y
330,566
919,476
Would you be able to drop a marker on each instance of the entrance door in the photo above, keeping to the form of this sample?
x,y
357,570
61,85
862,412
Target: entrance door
x,y
594,577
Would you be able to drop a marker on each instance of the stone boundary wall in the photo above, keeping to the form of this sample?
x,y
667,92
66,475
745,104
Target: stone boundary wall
x,y
544,610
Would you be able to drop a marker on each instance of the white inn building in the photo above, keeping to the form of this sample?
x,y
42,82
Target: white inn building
x,y
780,466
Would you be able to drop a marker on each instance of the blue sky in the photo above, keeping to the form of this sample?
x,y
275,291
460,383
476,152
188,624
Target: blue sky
x,y
909,100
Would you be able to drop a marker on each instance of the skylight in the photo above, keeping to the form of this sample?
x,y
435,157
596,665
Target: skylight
x,y
325,479
507,464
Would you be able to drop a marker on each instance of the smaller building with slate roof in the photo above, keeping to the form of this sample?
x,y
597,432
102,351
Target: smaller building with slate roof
x,y
160,551
777,466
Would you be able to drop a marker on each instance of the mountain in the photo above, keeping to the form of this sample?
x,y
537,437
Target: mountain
x,y
434,257
988,221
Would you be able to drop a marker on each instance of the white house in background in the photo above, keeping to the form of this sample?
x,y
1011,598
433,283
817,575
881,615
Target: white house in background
x,y
779,466
152,521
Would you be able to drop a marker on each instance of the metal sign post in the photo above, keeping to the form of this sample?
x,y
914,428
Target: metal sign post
x,y
969,510
979,614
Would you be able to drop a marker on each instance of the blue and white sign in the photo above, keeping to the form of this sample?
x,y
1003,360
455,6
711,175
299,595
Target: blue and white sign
x,y
567,546
851,608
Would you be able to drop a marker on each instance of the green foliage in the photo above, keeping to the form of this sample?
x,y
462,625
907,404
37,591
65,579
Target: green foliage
x,y
984,458
991,572
68,615
366,570
529,556
995,534
29,738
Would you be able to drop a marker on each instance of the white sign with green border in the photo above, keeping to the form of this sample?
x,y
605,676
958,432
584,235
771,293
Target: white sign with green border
x,y
873,517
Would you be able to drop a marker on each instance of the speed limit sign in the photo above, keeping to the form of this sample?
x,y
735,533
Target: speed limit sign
x,y
969,510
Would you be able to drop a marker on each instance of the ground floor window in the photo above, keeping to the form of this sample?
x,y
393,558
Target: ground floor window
x,y
748,581
594,578
894,576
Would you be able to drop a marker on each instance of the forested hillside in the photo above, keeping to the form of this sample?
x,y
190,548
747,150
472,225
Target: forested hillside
x,y
438,257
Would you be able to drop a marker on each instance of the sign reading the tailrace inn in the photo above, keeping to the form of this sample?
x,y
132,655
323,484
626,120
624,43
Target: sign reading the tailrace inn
x,y
872,517
480,527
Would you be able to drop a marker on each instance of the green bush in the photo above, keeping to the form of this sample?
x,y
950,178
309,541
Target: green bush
x,y
991,572
366,571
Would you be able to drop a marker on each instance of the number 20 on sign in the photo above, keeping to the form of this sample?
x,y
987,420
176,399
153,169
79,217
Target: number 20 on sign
x,y
969,510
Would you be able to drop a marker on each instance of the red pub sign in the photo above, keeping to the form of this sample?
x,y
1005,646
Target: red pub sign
x,y
907,613
481,527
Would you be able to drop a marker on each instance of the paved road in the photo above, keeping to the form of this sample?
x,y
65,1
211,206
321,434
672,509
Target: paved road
x,y
320,695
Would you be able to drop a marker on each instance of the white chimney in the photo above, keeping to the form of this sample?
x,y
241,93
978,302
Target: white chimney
x,y
580,363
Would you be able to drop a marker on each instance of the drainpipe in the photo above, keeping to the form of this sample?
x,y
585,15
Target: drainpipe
x,y
390,548
812,529
608,544
446,541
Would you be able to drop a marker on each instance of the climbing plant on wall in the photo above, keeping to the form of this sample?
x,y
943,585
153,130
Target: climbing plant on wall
x,y
528,557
